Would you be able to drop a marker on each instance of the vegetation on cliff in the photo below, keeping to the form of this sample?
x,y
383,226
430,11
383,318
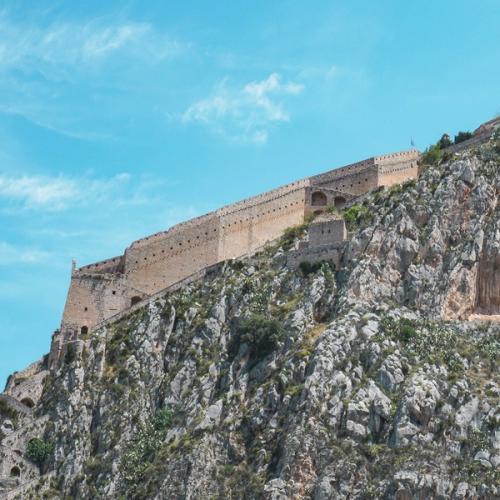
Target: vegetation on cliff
x,y
263,381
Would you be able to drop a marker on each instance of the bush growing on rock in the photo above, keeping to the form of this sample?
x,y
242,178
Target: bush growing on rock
x,y
444,142
291,234
462,136
431,156
162,419
355,215
143,448
39,450
307,268
261,334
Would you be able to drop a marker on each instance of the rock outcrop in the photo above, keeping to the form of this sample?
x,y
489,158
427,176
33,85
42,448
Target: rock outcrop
x,y
370,380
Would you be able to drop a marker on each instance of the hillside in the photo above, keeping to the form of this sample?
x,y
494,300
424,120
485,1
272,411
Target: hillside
x,y
376,379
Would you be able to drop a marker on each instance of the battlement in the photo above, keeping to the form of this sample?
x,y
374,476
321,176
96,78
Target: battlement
x,y
107,288
389,159
112,265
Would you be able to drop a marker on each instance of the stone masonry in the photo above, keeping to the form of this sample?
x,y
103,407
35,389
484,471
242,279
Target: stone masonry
x,y
101,290
105,289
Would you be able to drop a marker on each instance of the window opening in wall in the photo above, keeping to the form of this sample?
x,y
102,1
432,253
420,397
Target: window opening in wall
x,y
85,308
15,471
84,330
114,292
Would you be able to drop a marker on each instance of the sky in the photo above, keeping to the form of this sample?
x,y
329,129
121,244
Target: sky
x,y
121,118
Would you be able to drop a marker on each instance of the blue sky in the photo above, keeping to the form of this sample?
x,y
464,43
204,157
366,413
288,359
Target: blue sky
x,y
119,119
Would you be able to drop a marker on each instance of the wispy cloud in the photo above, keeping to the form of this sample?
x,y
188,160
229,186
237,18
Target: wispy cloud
x,y
11,254
58,193
246,113
63,75
76,44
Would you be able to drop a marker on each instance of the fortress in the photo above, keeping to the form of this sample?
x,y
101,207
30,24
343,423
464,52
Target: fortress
x,y
101,290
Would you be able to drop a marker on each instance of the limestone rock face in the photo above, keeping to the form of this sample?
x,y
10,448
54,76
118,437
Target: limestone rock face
x,y
261,381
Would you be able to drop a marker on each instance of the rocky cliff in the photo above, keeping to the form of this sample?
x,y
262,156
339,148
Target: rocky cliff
x,y
378,379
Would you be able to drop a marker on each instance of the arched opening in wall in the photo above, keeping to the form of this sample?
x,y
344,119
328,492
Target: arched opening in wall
x,y
28,402
318,199
134,300
84,330
339,202
15,471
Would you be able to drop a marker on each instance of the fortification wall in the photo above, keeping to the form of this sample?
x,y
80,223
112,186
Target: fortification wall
x,y
313,255
244,230
29,391
366,175
356,179
103,289
94,297
162,261
112,265
345,171
327,232
400,157
158,262
391,174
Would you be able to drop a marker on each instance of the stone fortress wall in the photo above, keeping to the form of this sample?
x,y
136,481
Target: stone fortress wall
x,y
101,290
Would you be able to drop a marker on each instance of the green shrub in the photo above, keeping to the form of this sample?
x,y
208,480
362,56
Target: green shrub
x,y
402,329
444,142
462,136
407,329
356,215
143,448
261,334
307,268
162,419
119,346
39,450
70,354
291,234
432,155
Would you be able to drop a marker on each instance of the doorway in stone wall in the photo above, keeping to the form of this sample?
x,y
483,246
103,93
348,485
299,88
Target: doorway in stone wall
x,y
318,199
339,202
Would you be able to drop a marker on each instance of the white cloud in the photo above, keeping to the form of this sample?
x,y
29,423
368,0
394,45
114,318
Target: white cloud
x,y
247,113
10,254
38,191
79,44
57,193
